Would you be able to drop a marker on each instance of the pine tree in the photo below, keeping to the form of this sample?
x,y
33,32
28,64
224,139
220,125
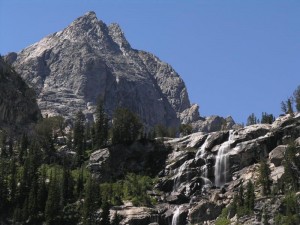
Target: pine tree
x,y
3,145
252,120
13,181
42,193
79,183
10,146
126,127
297,98
52,210
287,106
267,118
291,165
105,214
33,200
241,196
67,186
4,195
264,177
91,201
79,137
101,127
23,148
250,196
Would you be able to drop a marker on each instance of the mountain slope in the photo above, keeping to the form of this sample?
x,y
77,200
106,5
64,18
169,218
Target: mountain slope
x,y
18,105
88,60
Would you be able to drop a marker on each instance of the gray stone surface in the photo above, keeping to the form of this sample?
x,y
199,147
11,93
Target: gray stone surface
x,y
277,155
72,68
18,106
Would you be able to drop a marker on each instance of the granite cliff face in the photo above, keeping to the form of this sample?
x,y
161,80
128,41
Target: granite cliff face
x,y
203,172
71,69
18,106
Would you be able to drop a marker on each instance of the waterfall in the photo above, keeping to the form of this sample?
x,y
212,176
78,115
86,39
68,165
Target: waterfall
x,y
175,219
201,152
179,173
221,165
204,169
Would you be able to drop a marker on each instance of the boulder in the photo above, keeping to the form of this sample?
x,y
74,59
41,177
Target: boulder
x,y
136,215
212,124
203,211
277,155
276,173
297,141
190,115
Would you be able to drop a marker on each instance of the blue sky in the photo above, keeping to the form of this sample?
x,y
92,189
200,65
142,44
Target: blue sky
x,y
236,57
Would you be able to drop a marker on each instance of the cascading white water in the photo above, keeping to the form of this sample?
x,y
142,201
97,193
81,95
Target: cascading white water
x,y
179,173
204,169
201,152
175,219
221,165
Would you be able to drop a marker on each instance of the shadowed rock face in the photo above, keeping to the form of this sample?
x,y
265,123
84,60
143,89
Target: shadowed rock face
x,y
71,69
18,106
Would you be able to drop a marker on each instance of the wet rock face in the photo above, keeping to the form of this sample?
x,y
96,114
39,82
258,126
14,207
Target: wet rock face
x,y
72,68
206,169
202,172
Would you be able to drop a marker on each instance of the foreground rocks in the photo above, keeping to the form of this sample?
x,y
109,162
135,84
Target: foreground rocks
x,y
190,190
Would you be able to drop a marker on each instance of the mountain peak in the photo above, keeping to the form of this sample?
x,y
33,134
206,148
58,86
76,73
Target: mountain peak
x,y
118,36
86,20
90,14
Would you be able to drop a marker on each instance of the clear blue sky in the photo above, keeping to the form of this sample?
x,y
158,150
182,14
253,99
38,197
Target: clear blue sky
x,y
236,56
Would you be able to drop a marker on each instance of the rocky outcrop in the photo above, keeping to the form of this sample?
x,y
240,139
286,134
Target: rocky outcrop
x,y
201,173
225,159
115,162
18,106
277,155
132,215
213,123
72,68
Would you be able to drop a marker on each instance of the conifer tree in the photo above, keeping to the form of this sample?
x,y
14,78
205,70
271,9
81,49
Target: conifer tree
x,y
52,210
3,145
101,126
91,201
79,137
105,214
267,118
3,188
79,183
250,196
23,147
241,196
126,127
291,165
13,181
297,98
67,186
264,177
252,120
42,193
33,200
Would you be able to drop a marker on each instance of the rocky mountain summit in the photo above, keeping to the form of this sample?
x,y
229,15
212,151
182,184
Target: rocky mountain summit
x,y
203,172
71,69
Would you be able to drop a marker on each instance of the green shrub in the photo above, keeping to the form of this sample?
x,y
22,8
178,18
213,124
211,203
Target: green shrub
x,y
222,221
